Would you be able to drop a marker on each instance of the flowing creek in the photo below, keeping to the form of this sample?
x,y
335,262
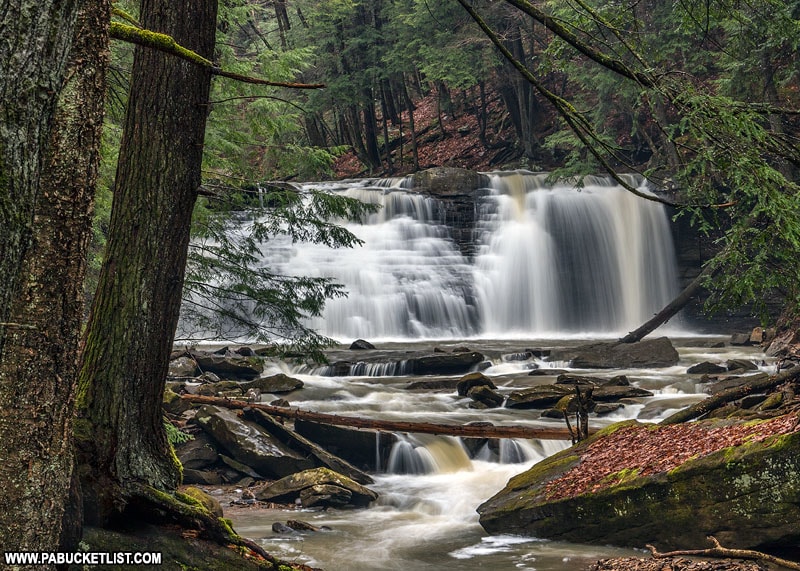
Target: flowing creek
x,y
428,520
516,265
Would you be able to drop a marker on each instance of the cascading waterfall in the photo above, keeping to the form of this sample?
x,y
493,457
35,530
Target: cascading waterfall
x,y
545,260
554,259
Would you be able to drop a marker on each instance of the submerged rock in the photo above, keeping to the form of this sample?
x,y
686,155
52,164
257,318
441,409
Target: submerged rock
x,y
671,486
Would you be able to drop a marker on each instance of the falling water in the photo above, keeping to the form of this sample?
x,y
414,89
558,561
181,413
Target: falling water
x,y
550,259
544,260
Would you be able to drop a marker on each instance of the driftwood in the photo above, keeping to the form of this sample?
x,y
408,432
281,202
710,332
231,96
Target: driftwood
x,y
719,551
671,308
471,431
707,405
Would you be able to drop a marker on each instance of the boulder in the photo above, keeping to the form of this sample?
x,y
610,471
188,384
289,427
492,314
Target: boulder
x,y
731,382
230,365
197,453
304,446
250,444
320,482
648,353
174,404
542,396
182,367
445,363
434,384
361,345
611,393
634,484
740,365
362,448
201,477
279,383
472,380
484,395
706,368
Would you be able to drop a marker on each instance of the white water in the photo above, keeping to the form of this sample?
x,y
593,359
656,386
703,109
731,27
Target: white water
x,y
426,519
550,260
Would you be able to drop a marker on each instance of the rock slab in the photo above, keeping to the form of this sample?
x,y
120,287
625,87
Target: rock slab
x,y
747,495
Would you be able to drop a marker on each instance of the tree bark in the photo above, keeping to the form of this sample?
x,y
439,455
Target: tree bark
x,y
39,364
119,430
33,53
392,425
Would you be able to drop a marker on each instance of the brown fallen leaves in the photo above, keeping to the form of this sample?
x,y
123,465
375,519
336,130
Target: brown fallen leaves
x,y
646,449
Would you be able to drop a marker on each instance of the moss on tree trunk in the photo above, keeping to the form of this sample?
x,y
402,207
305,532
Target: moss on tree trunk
x,y
135,312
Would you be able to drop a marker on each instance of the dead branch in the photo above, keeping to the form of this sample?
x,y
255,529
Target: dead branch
x,y
719,551
735,393
471,431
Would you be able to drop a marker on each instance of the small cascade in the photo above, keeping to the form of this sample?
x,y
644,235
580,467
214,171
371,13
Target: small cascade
x,y
419,455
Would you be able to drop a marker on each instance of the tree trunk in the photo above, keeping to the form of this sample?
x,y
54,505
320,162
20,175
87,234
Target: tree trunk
x,y
36,416
119,430
33,53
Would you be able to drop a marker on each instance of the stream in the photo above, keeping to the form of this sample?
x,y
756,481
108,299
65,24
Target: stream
x,y
426,519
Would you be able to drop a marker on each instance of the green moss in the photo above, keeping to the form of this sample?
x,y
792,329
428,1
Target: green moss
x,y
624,476
155,40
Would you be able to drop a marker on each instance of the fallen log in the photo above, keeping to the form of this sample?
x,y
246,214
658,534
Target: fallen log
x,y
465,430
705,406
719,551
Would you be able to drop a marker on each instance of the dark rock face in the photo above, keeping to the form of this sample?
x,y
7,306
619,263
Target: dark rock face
x,y
276,384
647,353
361,345
446,363
229,365
746,496
363,448
471,381
706,368
250,444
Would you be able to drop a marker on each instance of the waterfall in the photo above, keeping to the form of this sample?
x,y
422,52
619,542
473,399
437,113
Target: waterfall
x,y
556,259
544,260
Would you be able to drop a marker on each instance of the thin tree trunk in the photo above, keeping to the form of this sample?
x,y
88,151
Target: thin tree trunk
x,y
410,107
39,365
393,426
671,308
119,432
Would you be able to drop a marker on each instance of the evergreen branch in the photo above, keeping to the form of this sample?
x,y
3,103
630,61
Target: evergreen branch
x,y
167,44
575,120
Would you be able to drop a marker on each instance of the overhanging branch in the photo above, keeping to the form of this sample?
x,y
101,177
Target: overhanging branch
x,y
167,44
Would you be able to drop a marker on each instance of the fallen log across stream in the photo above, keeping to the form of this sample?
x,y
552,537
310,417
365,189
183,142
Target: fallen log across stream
x,y
465,430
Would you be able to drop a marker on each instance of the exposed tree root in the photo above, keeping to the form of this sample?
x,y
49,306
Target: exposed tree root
x,y
189,514
719,551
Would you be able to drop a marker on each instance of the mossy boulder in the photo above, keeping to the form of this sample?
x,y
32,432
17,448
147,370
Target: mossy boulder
x,y
320,486
633,484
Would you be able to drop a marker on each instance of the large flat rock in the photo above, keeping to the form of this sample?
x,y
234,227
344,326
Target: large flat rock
x,y
648,353
671,486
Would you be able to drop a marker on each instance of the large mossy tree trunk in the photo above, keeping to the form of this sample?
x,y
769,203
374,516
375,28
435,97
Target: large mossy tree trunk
x,y
36,38
119,432
39,359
